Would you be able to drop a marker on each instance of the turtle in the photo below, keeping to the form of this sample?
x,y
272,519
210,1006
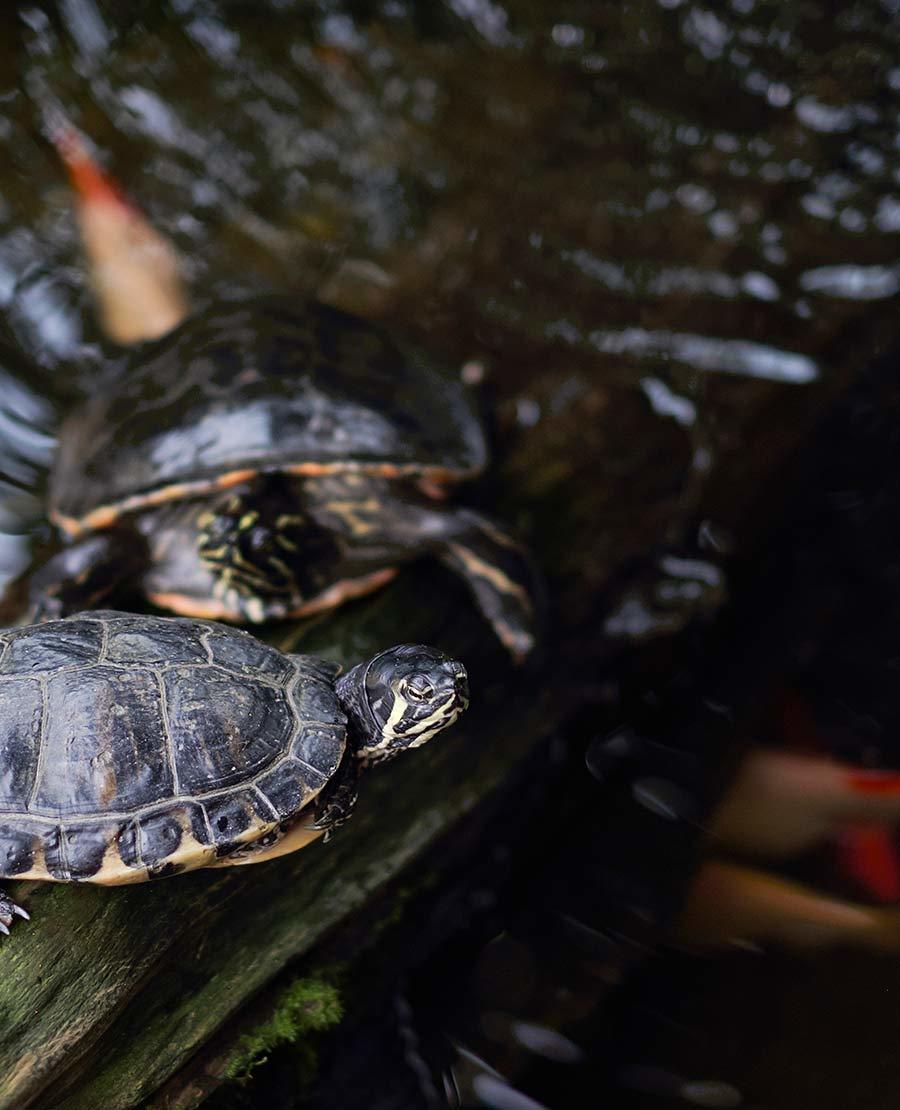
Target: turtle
x,y
260,458
268,459
134,747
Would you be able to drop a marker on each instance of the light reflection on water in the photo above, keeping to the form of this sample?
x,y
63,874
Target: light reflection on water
x,y
26,448
702,352
855,283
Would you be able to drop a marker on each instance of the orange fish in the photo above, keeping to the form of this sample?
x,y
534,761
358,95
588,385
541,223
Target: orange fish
x,y
865,853
134,270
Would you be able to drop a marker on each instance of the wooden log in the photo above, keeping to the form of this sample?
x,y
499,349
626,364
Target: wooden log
x,y
107,992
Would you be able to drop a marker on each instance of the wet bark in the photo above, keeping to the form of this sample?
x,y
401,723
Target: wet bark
x,y
107,992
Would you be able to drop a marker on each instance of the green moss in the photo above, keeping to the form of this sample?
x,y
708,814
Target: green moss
x,y
306,1006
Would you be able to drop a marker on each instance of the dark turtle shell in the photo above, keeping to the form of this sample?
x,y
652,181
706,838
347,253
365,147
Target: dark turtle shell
x,y
136,746
261,385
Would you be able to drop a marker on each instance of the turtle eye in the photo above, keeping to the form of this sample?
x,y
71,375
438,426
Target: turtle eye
x,y
418,688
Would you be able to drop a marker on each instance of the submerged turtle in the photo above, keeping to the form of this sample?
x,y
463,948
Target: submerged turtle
x,y
134,747
263,459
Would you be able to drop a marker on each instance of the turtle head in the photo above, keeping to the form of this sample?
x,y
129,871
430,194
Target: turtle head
x,y
262,550
401,698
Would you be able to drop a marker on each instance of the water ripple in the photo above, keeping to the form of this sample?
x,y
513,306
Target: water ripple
x,y
853,283
708,353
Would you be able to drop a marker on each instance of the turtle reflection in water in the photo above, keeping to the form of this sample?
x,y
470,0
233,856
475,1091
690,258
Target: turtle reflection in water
x,y
137,747
261,459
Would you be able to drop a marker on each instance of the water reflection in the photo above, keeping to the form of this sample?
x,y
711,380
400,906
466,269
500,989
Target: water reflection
x,y
855,283
26,448
702,352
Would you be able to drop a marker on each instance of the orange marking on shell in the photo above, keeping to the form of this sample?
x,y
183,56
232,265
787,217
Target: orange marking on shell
x,y
427,474
234,478
207,609
345,590
214,609
106,515
101,518
434,488
383,470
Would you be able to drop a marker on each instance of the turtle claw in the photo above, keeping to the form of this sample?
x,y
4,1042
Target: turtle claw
x,y
9,911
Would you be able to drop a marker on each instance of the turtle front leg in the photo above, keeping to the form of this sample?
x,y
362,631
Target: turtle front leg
x,y
382,522
500,575
9,911
339,798
84,574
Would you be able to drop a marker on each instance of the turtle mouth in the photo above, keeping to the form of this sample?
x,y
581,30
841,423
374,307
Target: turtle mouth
x,y
420,730
461,685
410,727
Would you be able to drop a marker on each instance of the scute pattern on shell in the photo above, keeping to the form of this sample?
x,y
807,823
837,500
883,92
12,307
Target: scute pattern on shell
x,y
133,746
260,385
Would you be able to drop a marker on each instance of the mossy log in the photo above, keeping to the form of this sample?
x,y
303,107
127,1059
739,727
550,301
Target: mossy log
x,y
107,992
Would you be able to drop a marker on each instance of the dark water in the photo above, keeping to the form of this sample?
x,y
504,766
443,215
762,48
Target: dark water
x,y
669,232
656,208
